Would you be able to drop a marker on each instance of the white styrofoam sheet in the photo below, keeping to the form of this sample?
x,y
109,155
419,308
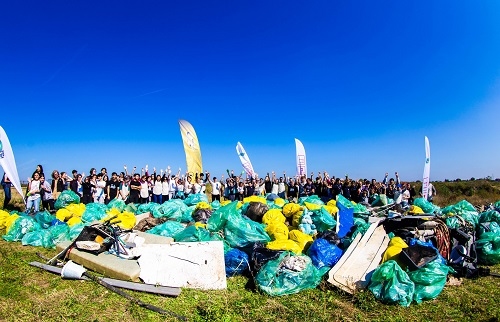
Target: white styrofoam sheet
x,y
198,265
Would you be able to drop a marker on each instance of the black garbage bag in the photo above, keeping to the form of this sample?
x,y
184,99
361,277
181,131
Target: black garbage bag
x,y
256,211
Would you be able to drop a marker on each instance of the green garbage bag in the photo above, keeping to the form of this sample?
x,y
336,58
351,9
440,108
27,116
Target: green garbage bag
x,y
390,284
172,209
323,220
219,217
118,204
192,234
167,229
242,232
429,280
488,248
288,274
314,199
344,202
426,206
59,233
75,231
44,218
489,216
20,227
195,198
66,197
94,211
41,237
187,214
145,207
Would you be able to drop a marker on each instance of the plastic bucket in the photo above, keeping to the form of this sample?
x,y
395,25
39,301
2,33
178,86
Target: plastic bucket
x,y
72,270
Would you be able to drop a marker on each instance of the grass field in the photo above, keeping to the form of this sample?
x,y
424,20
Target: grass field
x,y
31,294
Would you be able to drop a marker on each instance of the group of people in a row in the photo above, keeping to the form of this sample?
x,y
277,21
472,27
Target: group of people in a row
x,y
146,187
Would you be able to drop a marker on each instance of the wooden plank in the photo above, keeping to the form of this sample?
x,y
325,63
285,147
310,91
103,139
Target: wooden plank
x,y
141,287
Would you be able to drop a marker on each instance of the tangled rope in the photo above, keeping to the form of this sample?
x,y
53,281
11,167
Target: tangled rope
x,y
443,241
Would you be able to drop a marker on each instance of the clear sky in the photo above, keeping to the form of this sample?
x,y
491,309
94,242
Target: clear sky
x,y
360,83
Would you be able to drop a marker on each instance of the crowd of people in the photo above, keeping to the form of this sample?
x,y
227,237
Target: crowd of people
x,y
144,187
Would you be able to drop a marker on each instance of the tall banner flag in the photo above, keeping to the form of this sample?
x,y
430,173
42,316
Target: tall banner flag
x,y
245,160
8,162
427,169
300,156
191,147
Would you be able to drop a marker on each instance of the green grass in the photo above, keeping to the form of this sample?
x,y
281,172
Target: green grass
x,y
31,294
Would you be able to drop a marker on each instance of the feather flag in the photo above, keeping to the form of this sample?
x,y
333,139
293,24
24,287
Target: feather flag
x,y
427,169
245,160
8,162
300,156
191,147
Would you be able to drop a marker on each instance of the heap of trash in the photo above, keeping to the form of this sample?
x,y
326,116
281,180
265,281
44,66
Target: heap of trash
x,y
400,255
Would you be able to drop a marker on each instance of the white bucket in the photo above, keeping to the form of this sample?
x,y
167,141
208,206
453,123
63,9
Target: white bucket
x,y
72,271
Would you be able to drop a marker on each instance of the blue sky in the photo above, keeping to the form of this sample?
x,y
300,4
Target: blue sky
x,y
360,83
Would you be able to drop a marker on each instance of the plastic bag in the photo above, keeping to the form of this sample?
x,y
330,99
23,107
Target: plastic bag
x,y
288,274
167,229
241,232
20,227
429,280
44,218
390,284
195,198
94,211
323,220
323,253
172,209
65,198
488,248
118,204
236,262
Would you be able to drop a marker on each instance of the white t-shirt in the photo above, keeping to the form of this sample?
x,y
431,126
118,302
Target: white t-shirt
x,y
216,186
158,188
144,190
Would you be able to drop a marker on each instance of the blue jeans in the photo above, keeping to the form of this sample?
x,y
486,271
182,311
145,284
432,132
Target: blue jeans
x,y
33,203
157,198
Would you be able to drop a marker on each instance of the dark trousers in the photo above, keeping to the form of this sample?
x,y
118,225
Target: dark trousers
x,y
8,196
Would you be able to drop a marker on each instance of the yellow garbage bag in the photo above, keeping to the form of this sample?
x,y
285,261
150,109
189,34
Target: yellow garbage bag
x,y
285,245
74,221
273,215
332,210
312,206
9,221
416,210
280,202
63,214
225,202
297,218
277,231
332,202
202,205
394,248
200,225
302,239
3,217
255,199
76,209
290,209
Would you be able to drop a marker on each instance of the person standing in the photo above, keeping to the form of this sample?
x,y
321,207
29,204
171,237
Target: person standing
x,y
6,185
57,184
34,197
431,192
47,198
112,187
135,188
216,187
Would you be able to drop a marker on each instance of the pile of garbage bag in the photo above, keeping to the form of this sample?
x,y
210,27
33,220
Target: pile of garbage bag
x,y
288,247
